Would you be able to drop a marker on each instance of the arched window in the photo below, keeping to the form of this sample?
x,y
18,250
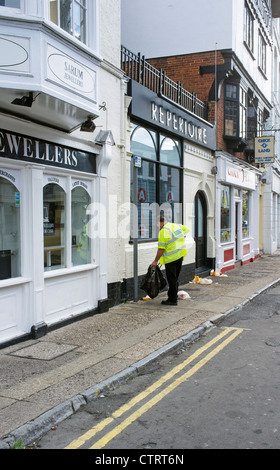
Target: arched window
x,y
143,143
169,151
158,179
81,246
54,226
10,254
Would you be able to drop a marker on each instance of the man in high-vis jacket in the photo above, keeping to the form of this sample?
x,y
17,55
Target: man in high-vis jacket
x,y
171,252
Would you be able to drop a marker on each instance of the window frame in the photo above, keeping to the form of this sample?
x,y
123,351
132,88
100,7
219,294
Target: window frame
x,y
68,184
160,137
240,116
262,53
5,10
249,29
227,236
91,34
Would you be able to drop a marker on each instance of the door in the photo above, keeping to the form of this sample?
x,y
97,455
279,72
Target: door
x,y
200,231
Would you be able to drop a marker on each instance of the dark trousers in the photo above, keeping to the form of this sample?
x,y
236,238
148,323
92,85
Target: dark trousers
x,y
172,273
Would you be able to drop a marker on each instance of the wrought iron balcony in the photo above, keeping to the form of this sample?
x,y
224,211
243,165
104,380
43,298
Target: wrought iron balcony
x,y
137,68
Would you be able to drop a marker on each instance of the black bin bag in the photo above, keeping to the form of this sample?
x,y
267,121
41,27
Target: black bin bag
x,y
153,281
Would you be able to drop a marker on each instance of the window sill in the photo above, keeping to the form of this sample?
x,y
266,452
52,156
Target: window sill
x,y
67,271
14,281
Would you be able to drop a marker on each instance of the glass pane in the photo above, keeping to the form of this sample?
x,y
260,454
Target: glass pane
x,y
54,227
79,21
146,199
9,230
143,143
225,214
170,193
231,91
66,16
245,214
231,118
169,151
10,3
199,218
53,11
81,246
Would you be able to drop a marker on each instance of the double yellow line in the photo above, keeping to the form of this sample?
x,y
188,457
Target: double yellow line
x,y
234,332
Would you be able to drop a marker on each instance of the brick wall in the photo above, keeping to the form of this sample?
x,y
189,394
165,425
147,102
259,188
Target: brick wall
x,y
186,69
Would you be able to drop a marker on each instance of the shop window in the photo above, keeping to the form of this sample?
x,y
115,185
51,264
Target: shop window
x,y
169,151
245,214
10,255
159,179
10,3
71,16
54,226
225,214
143,143
81,246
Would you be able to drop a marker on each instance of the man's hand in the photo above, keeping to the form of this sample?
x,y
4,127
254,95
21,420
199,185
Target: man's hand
x,y
158,256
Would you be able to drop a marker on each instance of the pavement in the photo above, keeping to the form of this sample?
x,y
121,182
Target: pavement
x,y
44,381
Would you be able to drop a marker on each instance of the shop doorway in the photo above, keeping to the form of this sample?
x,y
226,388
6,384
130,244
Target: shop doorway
x,y
200,232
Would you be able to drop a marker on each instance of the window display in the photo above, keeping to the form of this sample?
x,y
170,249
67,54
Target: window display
x,y
225,214
10,253
81,252
54,227
245,214
159,179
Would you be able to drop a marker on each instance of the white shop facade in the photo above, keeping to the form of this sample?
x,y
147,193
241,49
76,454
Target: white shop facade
x,y
237,212
52,268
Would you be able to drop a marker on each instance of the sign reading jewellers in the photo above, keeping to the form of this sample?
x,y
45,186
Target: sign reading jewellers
x,y
148,106
32,150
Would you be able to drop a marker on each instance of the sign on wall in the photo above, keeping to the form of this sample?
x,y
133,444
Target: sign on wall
x,y
264,149
33,150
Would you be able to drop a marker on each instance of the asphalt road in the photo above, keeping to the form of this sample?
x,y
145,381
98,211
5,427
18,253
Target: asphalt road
x,y
220,393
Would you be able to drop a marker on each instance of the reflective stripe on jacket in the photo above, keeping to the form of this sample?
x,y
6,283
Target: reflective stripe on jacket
x,y
172,239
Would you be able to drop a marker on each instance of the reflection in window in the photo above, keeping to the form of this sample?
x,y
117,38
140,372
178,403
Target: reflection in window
x,y
81,247
54,227
10,3
9,230
143,143
169,152
225,214
70,15
159,179
245,214
170,193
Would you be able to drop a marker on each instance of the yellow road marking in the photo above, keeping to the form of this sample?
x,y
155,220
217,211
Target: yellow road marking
x,y
99,427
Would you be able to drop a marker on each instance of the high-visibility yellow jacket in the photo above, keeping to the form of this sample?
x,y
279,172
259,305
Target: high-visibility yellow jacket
x,y
172,239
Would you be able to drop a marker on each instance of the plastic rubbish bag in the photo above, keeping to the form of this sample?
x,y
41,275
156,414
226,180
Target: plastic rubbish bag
x,y
153,282
200,280
206,281
183,295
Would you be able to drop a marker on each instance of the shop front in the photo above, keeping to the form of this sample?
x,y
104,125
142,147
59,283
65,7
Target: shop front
x,y
175,177
237,209
51,268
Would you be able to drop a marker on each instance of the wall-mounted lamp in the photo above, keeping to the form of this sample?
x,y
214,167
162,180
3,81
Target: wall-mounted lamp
x,y
88,125
214,170
26,101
